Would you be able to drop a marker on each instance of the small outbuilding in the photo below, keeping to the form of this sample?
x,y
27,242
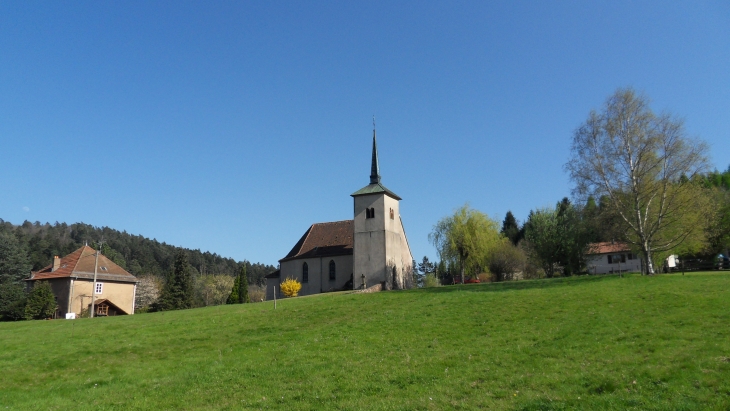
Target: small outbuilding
x,y
611,257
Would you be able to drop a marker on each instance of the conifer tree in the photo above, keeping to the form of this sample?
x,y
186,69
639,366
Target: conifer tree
x,y
510,228
41,303
243,285
14,267
178,290
234,297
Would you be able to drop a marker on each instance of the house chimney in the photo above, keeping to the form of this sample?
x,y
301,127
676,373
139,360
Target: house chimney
x,y
56,263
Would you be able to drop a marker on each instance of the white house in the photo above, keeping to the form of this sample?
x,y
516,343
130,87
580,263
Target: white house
x,y
611,257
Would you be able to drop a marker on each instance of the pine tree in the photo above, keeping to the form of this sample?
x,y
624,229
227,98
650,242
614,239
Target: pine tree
x,y
41,303
510,228
14,263
12,301
234,297
178,290
243,285
14,267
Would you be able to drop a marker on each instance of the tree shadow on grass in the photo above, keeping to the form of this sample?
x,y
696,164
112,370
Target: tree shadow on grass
x,y
524,284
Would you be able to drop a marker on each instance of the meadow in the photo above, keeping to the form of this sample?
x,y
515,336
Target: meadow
x,y
596,342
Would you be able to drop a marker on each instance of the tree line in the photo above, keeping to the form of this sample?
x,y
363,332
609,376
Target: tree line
x,y
638,179
166,272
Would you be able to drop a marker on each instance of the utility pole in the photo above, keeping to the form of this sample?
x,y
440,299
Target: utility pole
x,y
93,285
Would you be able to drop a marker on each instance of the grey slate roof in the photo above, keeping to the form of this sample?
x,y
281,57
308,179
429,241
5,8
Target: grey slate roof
x,y
376,188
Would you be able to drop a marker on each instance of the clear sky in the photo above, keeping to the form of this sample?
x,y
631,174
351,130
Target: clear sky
x,y
232,126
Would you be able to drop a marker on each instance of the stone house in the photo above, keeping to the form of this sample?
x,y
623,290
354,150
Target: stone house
x,y
72,281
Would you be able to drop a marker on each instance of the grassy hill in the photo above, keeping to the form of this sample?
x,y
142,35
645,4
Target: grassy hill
x,y
644,343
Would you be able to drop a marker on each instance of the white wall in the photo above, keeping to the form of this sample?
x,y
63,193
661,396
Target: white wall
x,y
379,243
369,241
598,263
318,281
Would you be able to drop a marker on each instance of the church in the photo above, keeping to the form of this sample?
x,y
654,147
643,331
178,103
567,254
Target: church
x,y
367,252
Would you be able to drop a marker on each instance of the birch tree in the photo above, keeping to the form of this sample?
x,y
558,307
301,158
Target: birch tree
x,y
644,164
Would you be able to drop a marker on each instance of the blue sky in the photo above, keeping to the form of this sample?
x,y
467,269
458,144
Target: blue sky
x,y
232,126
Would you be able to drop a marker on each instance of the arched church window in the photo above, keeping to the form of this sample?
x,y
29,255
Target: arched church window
x,y
305,273
333,270
392,215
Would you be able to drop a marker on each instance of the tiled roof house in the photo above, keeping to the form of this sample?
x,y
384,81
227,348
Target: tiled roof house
x,y
611,257
72,276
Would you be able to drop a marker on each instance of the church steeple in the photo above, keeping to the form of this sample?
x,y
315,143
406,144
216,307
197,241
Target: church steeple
x,y
375,186
375,167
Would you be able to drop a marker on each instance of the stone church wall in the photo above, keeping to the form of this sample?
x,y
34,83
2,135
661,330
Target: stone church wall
x,y
318,267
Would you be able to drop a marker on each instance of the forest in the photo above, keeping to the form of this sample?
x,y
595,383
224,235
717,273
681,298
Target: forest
x,y
137,254
169,277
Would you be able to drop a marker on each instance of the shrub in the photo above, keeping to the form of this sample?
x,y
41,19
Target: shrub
x,y
12,301
290,287
505,261
256,293
430,280
41,302
148,291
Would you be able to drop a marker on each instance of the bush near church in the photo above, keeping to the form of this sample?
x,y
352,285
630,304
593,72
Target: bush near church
x,y
290,287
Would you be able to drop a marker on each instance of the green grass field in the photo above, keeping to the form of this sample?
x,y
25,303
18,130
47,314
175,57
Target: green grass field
x,y
645,343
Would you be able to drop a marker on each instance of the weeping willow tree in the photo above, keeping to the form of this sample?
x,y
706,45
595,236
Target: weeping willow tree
x,y
644,164
466,239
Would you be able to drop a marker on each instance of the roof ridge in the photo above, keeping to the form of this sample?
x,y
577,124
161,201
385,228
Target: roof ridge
x,y
300,243
83,248
306,237
333,222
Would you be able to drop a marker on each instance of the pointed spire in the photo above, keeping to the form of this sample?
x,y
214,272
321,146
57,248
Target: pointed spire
x,y
374,167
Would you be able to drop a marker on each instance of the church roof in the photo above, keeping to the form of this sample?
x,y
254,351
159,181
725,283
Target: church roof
x,y
375,187
323,240
80,264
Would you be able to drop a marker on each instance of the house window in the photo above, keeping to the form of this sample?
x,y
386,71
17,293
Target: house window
x,y
305,273
617,258
99,287
333,270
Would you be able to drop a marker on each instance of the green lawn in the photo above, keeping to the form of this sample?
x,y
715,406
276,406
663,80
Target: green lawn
x,y
645,343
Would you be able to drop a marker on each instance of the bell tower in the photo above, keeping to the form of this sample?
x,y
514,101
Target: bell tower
x,y
381,254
